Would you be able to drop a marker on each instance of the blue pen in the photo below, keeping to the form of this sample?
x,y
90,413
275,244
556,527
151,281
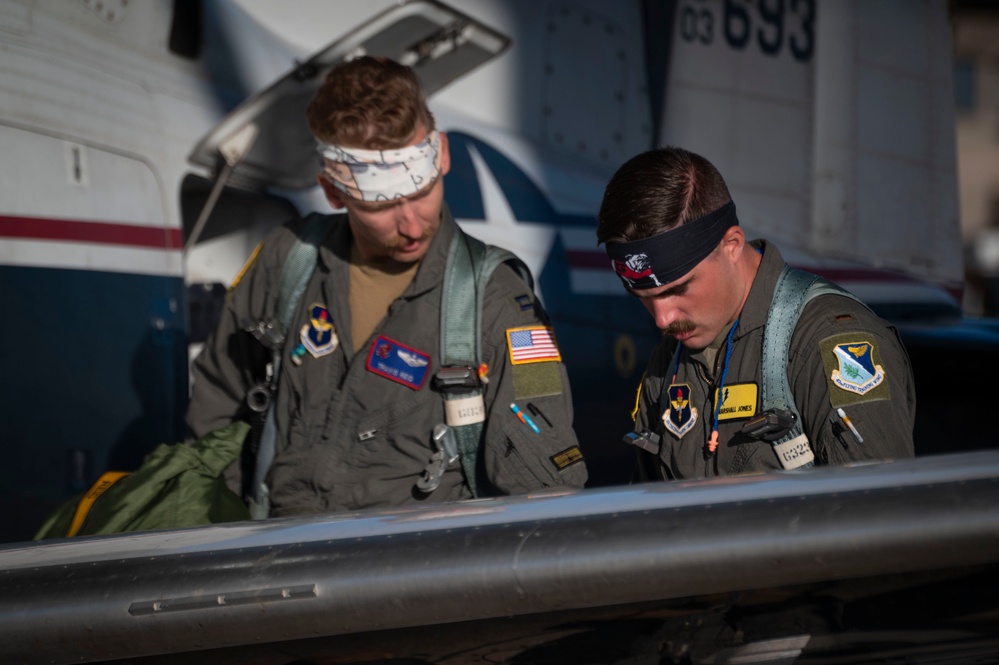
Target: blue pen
x,y
524,418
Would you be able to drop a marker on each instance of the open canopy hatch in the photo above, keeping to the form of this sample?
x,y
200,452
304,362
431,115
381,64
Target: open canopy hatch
x,y
266,141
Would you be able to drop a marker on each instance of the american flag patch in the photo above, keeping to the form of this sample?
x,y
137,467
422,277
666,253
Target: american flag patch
x,y
531,345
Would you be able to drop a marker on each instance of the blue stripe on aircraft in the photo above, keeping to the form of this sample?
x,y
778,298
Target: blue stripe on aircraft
x,y
462,189
96,370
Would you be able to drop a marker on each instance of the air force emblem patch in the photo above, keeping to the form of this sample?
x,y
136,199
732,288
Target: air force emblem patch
x,y
857,371
318,335
854,372
680,416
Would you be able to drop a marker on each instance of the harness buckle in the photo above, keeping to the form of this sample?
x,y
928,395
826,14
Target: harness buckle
x,y
456,378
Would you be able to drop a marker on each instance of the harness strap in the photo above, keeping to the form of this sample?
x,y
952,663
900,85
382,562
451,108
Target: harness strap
x,y
469,265
470,262
298,269
459,307
793,291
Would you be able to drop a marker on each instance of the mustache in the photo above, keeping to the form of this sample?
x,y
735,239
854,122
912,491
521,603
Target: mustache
x,y
679,328
401,241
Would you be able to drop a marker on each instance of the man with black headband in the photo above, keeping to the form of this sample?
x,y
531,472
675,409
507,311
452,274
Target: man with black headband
x,y
761,367
365,413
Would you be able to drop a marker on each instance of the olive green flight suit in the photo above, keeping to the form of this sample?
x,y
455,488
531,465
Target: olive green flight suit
x,y
836,341
352,435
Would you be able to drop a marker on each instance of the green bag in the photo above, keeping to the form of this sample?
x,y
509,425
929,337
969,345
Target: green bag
x,y
178,485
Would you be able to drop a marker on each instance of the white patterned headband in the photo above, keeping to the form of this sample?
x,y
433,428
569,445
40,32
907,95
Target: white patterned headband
x,y
382,175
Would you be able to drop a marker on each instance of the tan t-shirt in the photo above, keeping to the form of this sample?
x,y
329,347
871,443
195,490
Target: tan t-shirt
x,y
374,286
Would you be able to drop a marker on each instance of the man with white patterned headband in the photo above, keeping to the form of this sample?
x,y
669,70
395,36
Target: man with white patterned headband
x,y
364,403
759,363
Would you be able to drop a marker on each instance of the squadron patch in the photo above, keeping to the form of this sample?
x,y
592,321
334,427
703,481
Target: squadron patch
x,y
680,417
318,335
398,362
854,372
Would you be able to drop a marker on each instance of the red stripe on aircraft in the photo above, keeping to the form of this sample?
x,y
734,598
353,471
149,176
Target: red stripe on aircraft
x,y
104,233
586,259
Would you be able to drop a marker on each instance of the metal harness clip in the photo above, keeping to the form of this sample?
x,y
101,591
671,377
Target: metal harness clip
x,y
447,453
646,440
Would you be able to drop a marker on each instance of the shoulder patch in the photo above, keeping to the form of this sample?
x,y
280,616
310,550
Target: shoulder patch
x,y
853,369
532,344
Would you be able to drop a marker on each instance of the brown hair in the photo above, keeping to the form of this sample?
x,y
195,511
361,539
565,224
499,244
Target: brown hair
x,y
370,102
656,191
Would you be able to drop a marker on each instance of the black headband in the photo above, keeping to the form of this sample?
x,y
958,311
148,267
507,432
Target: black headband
x,y
668,256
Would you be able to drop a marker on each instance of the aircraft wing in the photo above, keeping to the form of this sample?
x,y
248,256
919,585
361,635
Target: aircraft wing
x,y
889,562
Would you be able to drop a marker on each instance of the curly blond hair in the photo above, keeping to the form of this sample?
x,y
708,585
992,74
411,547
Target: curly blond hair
x,y
373,103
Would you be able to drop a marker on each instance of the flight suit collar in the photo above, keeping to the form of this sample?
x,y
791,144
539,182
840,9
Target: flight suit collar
x,y
334,260
334,255
431,272
708,356
757,307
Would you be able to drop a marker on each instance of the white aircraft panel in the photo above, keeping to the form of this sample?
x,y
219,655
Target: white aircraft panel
x,y
739,94
884,163
57,179
885,29
593,67
903,135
